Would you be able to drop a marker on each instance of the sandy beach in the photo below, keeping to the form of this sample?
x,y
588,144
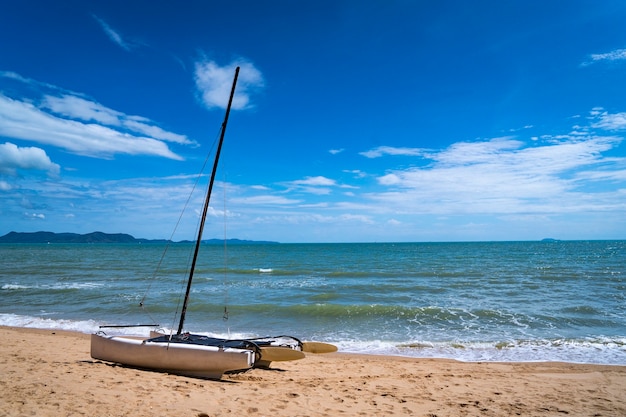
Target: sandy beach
x,y
50,373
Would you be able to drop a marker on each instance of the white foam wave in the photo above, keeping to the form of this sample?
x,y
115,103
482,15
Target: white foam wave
x,y
14,287
609,351
14,320
56,286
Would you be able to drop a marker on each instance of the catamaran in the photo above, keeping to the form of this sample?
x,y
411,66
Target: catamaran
x,y
194,354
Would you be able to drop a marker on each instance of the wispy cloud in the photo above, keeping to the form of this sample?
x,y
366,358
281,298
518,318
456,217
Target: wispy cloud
x,y
510,176
318,185
214,83
113,35
607,121
315,181
76,124
22,120
79,108
389,150
615,55
357,173
265,200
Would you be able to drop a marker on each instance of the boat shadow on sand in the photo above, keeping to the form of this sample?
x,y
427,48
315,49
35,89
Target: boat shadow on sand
x,y
200,377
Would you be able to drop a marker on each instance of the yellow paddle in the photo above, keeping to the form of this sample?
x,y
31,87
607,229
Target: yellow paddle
x,y
318,347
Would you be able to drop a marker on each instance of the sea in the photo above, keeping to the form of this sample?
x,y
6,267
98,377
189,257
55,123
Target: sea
x,y
470,301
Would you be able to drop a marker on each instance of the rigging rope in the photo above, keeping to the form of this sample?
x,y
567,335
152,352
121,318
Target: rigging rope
x,y
170,240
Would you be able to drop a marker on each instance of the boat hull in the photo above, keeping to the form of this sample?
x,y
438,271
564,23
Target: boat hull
x,y
183,359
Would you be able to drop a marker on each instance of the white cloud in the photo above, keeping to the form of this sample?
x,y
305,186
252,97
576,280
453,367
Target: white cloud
x,y
315,181
475,152
615,55
135,124
312,185
315,190
113,35
22,120
303,218
335,151
259,187
356,172
265,200
390,179
603,175
547,174
607,121
28,81
356,217
79,108
389,150
505,176
13,157
70,121
214,83
5,186
314,205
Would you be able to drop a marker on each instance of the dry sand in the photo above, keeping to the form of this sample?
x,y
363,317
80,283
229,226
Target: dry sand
x,y
50,373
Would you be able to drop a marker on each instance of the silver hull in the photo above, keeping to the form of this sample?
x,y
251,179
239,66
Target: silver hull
x,y
183,359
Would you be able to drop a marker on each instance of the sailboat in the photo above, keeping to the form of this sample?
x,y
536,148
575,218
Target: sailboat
x,y
198,355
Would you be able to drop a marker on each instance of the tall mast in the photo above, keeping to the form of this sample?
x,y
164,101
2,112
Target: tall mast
x,y
206,206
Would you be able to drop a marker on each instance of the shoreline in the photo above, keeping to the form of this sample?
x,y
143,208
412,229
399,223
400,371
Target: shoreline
x,y
50,372
525,351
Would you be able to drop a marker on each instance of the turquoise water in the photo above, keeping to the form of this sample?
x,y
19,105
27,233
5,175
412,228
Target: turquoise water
x,y
501,301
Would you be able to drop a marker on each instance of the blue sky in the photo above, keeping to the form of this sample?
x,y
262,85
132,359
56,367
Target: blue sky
x,y
354,121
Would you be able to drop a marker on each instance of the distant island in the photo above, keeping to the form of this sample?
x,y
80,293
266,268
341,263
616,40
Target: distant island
x,y
100,237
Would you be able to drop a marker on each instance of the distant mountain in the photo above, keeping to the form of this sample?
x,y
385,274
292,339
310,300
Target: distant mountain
x,y
50,237
99,237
